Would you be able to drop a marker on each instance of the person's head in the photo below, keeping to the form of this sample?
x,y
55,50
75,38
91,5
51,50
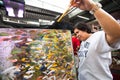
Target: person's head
x,y
82,31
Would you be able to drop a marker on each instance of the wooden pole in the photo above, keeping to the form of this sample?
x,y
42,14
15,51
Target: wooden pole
x,y
67,10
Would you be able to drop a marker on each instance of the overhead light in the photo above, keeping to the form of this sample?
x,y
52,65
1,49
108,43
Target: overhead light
x,y
75,12
20,21
14,8
53,5
34,23
83,17
45,22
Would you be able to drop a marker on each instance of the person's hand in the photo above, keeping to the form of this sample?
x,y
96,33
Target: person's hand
x,y
83,4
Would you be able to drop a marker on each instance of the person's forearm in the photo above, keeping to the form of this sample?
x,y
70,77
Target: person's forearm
x,y
108,23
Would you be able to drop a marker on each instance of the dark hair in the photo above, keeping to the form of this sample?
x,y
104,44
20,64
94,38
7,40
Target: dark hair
x,y
83,27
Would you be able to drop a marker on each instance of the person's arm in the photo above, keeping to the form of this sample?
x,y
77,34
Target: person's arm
x,y
107,22
109,25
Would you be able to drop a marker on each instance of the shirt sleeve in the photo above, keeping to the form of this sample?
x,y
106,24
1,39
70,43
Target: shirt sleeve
x,y
101,44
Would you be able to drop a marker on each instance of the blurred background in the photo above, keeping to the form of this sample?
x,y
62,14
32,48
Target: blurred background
x,y
44,13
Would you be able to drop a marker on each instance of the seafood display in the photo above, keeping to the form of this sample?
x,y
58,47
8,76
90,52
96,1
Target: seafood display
x,y
36,54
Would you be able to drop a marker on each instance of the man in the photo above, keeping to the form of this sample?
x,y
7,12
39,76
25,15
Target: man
x,y
95,49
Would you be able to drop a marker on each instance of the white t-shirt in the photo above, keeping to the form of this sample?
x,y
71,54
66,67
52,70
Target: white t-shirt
x,y
95,58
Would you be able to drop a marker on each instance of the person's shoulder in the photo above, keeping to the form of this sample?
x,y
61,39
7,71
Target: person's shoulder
x,y
99,32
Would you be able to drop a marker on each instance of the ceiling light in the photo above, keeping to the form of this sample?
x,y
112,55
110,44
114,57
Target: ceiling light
x,y
83,17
